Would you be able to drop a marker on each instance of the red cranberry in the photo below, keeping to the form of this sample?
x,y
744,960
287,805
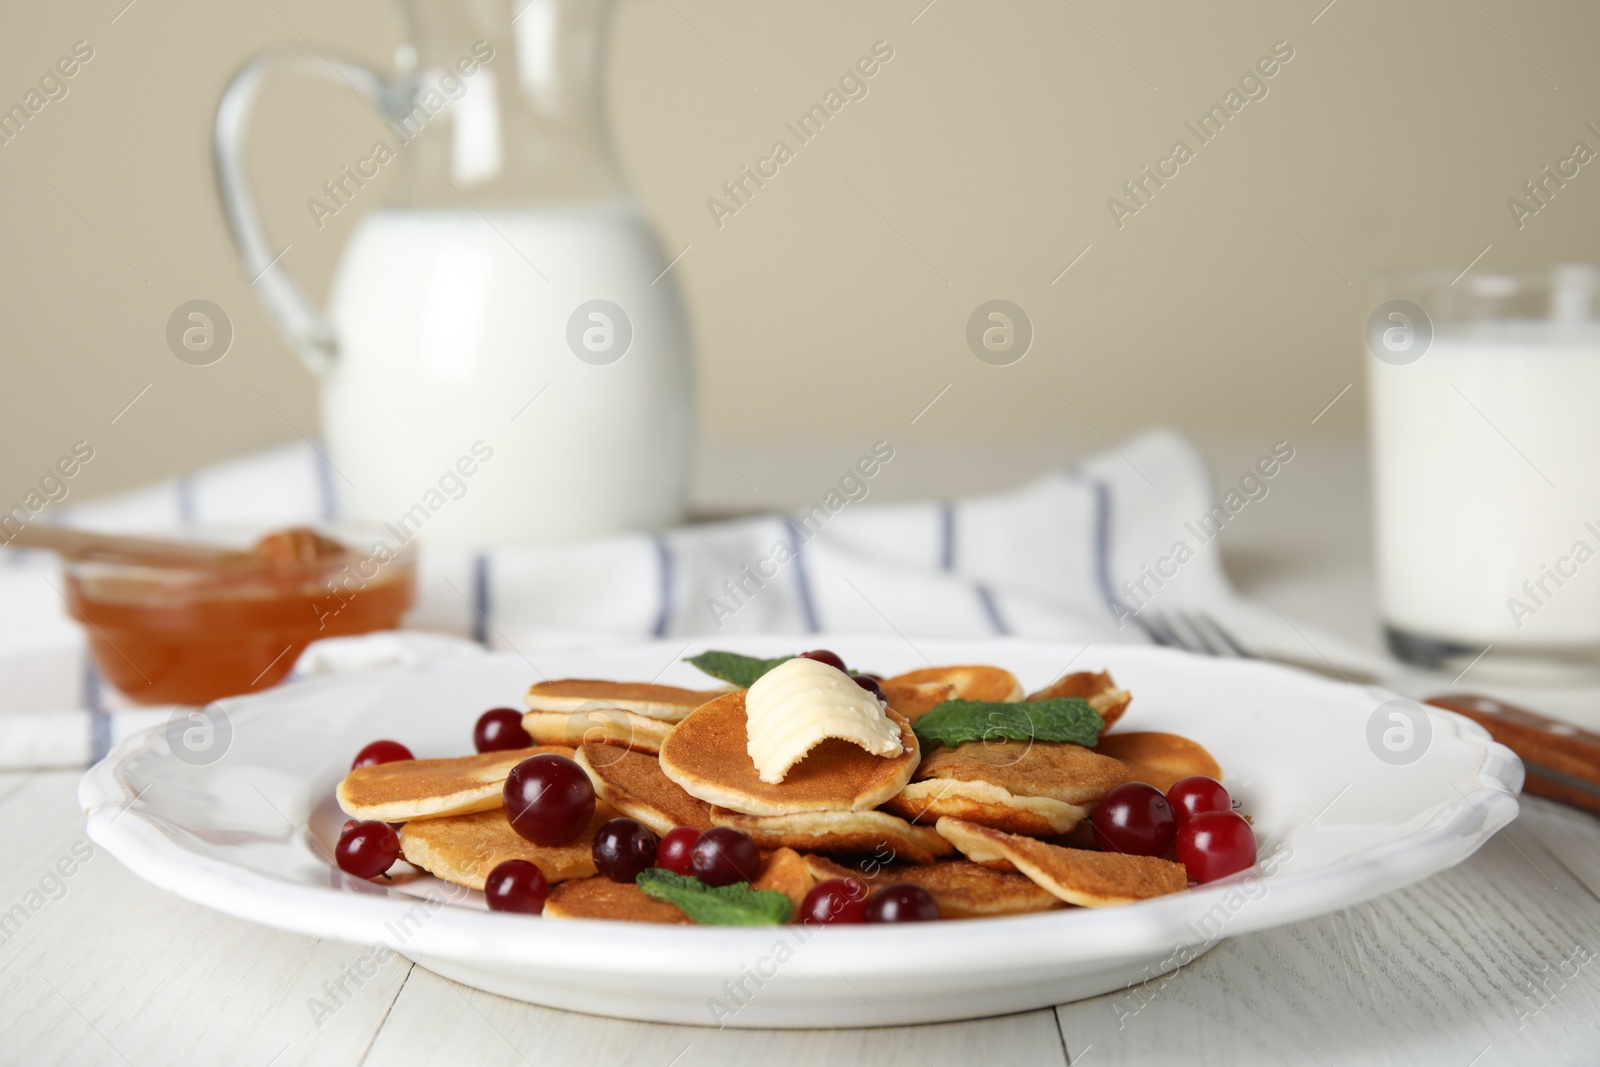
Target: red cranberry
x,y
622,848
838,900
1215,844
822,655
871,685
1195,794
367,849
902,902
381,752
723,856
1135,819
516,885
548,799
499,729
676,848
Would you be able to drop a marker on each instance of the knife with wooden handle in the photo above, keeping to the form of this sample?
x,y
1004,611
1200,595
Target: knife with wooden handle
x,y
1562,760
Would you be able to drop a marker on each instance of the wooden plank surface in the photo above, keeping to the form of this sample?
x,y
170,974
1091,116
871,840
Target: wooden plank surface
x,y
1572,836
1477,962
438,1021
10,782
116,971
1482,964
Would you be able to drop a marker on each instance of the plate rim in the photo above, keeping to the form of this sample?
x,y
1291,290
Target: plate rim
x,y
1102,936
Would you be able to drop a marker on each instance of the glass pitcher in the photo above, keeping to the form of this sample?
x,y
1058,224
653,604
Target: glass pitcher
x,y
505,358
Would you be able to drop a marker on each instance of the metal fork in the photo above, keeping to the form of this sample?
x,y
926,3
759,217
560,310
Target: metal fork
x,y
1194,632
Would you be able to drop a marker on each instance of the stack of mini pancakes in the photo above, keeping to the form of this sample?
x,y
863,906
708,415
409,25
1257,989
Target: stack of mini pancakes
x,y
987,827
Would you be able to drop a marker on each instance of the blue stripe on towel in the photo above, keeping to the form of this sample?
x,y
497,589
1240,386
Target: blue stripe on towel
x,y
99,721
186,510
947,536
330,501
1102,559
664,555
480,599
991,608
808,608
1102,543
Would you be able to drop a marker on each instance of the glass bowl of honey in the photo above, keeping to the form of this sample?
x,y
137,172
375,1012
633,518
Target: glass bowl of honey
x,y
168,632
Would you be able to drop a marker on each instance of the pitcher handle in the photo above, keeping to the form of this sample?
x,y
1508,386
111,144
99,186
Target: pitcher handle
x,y
301,322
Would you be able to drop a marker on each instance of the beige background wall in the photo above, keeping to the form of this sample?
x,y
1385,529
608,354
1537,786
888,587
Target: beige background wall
x,y
987,149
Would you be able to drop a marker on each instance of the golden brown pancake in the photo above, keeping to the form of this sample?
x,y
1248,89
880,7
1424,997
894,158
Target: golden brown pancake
x,y
985,803
707,755
822,868
976,682
428,788
785,870
464,848
601,898
962,889
612,726
1159,759
1098,689
839,832
664,702
632,783
1077,876
1080,836
1055,769
915,701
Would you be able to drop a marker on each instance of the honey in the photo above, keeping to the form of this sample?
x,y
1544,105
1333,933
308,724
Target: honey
x,y
189,635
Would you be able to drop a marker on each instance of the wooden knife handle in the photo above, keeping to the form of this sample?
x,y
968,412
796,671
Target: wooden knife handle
x,y
1562,760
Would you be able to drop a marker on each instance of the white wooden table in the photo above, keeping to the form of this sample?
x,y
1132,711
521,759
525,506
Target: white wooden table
x,y
1494,962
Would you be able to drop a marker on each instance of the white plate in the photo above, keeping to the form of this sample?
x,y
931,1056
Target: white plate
x,y
1337,825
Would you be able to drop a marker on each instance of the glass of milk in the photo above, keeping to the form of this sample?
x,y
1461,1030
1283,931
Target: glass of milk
x,y
1485,423
505,357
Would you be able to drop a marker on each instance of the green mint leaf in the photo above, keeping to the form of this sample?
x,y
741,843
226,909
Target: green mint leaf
x,y
741,671
1060,719
740,904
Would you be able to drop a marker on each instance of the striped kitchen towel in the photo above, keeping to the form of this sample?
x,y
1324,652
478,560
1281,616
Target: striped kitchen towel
x,y
1073,556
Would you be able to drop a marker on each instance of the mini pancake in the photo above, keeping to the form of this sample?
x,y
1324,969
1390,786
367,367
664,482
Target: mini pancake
x,y
915,701
984,803
822,869
1080,836
1077,876
962,889
612,726
972,683
632,783
464,848
667,703
838,832
1055,769
965,890
706,754
785,870
1159,759
601,898
428,788
1098,689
